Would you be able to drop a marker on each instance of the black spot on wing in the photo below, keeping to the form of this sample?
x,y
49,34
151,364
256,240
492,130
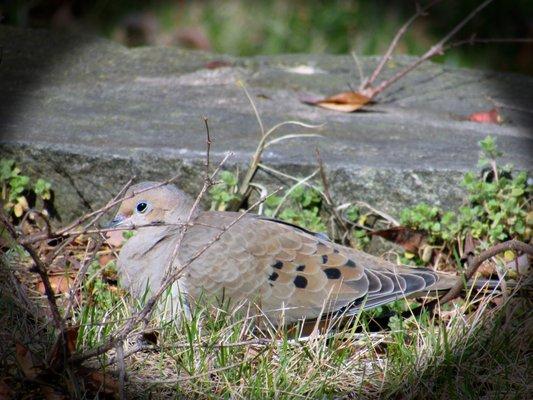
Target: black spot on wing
x,y
332,273
277,265
300,282
273,276
350,264
324,259
300,267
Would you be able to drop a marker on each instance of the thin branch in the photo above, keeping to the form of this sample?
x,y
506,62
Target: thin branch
x,y
208,147
420,11
475,262
433,51
41,269
474,40
284,175
329,198
362,78
121,369
143,346
382,214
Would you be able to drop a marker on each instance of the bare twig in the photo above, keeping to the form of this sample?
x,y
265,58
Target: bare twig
x,y
420,11
41,268
436,49
329,200
362,78
79,277
473,40
382,214
208,147
121,369
284,175
475,262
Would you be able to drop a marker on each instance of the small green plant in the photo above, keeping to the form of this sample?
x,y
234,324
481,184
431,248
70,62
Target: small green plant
x,y
17,190
360,236
225,191
300,205
496,208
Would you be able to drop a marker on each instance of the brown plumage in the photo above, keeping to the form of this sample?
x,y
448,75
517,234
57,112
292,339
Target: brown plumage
x,y
273,264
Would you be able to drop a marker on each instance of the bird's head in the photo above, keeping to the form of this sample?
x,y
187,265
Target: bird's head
x,y
151,203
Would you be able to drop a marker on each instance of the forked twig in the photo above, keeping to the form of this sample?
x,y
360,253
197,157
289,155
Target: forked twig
x,y
420,11
436,49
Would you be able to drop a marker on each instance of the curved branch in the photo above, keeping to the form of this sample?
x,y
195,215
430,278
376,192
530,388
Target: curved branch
x,y
476,261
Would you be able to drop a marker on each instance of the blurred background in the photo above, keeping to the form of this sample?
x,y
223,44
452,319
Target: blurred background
x,y
243,28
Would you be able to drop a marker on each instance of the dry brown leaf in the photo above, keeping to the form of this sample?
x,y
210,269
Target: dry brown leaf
x,y
486,270
410,239
103,382
71,338
25,359
60,283
486,117
104,259
114,238
217,64
344,102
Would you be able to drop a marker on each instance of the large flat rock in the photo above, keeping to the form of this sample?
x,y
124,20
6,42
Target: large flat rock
x,y
88,114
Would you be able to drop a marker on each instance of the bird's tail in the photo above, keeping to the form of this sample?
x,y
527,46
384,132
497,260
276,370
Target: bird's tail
x,y
409,283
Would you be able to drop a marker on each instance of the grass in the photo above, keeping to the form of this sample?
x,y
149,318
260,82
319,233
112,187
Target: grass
x,y
474,348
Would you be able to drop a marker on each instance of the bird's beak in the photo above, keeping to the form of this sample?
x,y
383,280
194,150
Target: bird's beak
x,y
118,220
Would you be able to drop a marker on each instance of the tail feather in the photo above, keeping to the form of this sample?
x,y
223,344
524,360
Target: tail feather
x,y
405,282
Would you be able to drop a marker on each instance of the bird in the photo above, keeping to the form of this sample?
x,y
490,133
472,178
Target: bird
x,y
289,272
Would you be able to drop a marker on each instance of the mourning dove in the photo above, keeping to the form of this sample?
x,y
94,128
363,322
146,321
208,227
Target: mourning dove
x,y
278,266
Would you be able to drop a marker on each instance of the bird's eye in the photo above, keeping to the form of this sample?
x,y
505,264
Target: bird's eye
x,y
141,207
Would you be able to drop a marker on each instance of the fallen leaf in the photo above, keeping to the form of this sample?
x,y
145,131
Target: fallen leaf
x,y
20,206
217,64
102,382
60,283
71,335
486,117
104,259
26,361
344,102
427,253
410,239
486,270
114,238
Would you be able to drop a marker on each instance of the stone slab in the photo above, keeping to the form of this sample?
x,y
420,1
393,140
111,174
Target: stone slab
x,y
88,114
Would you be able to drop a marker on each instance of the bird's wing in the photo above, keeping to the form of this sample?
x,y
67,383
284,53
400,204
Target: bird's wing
x,y
279,265
274,264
